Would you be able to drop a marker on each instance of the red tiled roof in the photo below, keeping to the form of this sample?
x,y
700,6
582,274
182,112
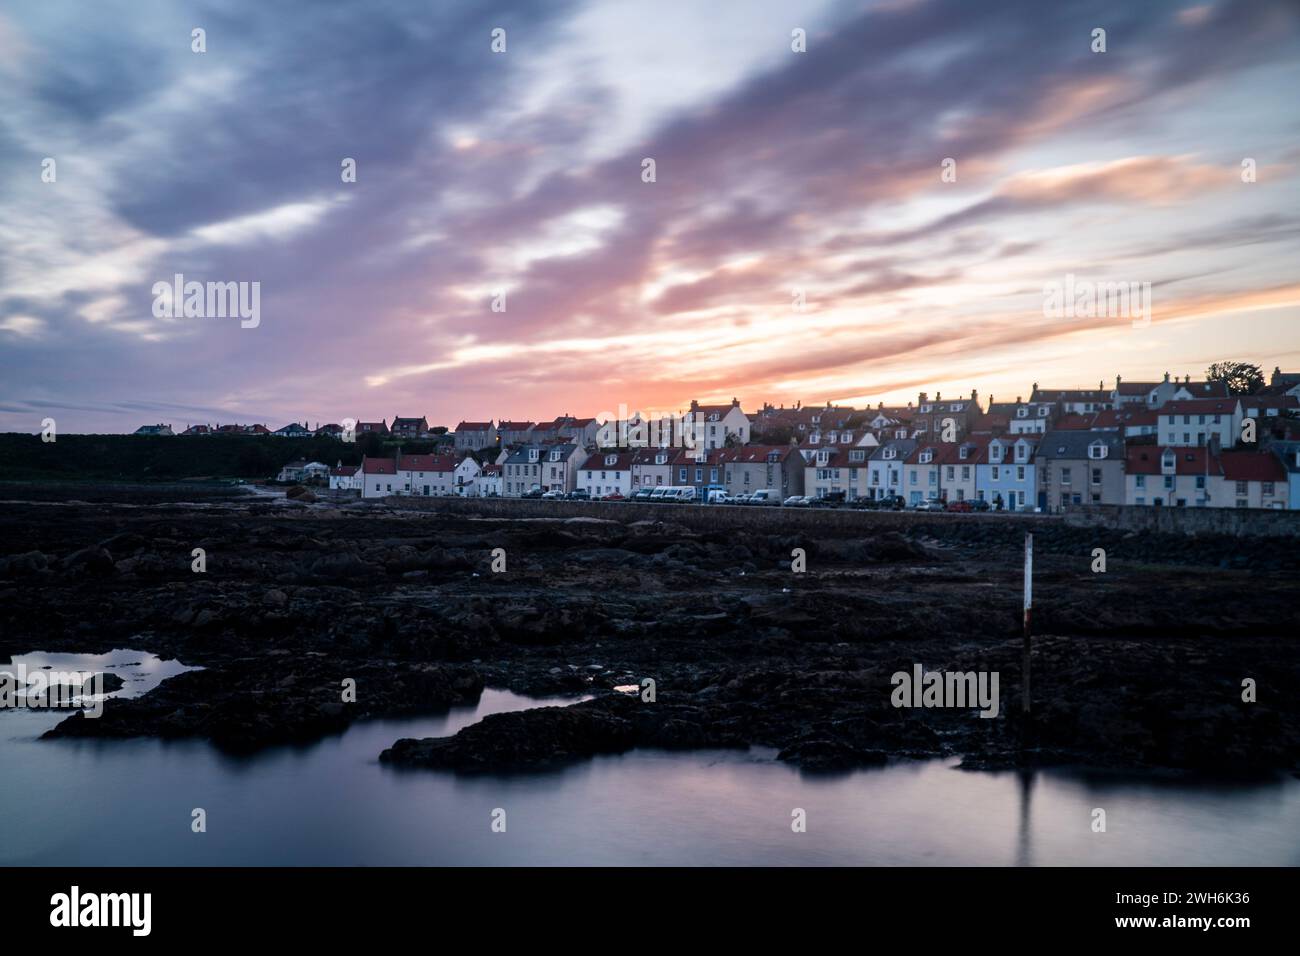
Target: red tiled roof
x,y
440,463
344,471
1076,422
514,426
1118,418
1136,388
748,454
622,462
1145,460
1198,406
378,466
473,426
1252,466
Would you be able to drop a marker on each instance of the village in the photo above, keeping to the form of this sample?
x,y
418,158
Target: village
x,y
1171,442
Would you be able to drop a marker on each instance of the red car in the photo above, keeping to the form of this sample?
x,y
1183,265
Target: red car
x,y
962,506
614,496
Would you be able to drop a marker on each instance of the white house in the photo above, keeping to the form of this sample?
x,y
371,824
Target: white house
x,y
466,474
345,477
606,474
885,467
712,425
489,482
378,477
426,475
1195,421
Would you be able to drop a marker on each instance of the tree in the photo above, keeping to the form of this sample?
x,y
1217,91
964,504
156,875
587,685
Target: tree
x,y
1242,378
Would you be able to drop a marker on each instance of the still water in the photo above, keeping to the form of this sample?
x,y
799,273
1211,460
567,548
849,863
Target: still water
x,y
85,802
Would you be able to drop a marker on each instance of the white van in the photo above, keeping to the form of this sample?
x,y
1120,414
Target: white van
x,y
679,493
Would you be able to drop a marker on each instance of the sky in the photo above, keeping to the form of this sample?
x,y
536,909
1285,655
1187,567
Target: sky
x,y
879,213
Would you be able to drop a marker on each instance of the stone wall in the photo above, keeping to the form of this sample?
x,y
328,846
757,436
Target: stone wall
x,y
1173,521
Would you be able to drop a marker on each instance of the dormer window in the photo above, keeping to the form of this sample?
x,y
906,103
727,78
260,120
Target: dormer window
x,y
661,458
1022,452
611,460
995,452
1042,411
955,406
1097,450
888,453
857,455
963,452
1168,461
1022,412
533,454
927,456
555,454
925,409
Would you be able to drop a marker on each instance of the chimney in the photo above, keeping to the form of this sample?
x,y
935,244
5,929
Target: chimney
x,y
1187,379
974,395
923,396
1117,381
1166,376
938,396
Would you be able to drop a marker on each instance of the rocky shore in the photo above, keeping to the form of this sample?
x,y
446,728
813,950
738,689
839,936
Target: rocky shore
x,y
1140,666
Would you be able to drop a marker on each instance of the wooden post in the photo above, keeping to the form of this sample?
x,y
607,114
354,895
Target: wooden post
x,y
1028,605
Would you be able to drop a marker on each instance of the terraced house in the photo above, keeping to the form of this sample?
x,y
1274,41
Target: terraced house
x,y
957,472
1196,421
1007,479
473,436
833,470
713,425
755,467
607,473
1080,467
885,467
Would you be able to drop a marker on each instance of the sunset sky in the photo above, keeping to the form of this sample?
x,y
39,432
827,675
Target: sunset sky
x,y
522,171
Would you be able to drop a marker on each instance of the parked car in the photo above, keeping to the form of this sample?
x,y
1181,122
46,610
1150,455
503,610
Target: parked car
x,y
719,497
765,496
928,504
642,494
891,503
581,494
532,493
740,499
795,501
825,501
553,495
960,506
979,504
615,496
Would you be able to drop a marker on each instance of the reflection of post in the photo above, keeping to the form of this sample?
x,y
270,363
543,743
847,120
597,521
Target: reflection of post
x,y
1029,603
1023,846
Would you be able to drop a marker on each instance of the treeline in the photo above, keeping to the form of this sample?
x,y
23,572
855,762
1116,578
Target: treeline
x,y
166,458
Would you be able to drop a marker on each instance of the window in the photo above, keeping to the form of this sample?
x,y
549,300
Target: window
x,y
1241,487
995,472
965,472
1096,476
913,474
681,475
1020,476
1065,476
952,473
1200,481
1268,488
1169,481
